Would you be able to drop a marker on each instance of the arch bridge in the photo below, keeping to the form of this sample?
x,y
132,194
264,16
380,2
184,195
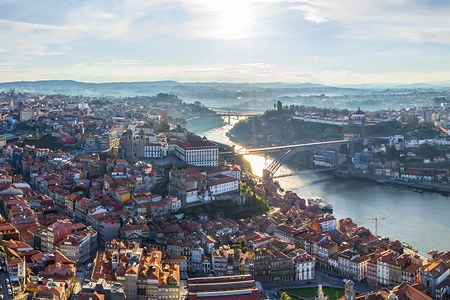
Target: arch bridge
x,y
291,150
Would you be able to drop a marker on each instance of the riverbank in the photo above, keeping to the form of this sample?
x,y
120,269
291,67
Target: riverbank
x,y
204,123
415,186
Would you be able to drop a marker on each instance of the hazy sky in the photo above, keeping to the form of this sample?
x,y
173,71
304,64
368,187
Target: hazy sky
x,y
325,41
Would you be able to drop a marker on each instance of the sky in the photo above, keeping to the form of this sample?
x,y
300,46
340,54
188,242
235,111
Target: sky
x,y
322,41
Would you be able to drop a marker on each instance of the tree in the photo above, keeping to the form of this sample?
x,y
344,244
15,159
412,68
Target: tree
x,y
285,296
279,106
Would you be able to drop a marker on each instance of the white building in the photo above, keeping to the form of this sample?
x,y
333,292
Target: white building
x,y
328,224
79,247
192,196
360,265
223,184
176,203
304,266
346,263
196,258
200,154
153,150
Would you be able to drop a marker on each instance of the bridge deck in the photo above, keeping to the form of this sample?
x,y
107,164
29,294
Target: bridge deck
x,y
285,147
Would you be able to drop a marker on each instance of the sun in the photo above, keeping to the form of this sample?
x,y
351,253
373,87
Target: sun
x,y
234,19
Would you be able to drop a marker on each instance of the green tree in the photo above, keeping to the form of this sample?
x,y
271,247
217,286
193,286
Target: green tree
x,y
279,106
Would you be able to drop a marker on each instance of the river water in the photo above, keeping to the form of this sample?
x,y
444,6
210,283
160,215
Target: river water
x,y
422,220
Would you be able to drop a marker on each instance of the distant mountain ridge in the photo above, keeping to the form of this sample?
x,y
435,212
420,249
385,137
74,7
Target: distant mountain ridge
x,y
201,90
195,89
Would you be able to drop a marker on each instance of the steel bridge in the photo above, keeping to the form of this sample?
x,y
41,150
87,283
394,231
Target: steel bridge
x,y
275,165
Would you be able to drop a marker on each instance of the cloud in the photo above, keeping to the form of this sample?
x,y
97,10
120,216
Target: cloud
x,y
113,63
29,26
410,20
311,13
292,40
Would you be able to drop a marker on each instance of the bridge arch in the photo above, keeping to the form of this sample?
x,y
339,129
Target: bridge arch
x,y
276,164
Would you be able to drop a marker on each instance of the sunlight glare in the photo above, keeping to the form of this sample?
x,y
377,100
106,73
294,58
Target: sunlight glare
x,y
235,19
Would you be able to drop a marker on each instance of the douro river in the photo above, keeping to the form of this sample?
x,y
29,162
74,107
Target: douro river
x,y
421,219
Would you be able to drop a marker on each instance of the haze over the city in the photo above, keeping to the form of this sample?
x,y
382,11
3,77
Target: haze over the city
x,y
321,41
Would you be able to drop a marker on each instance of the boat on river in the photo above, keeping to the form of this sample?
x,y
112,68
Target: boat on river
x,y
324,206
408,246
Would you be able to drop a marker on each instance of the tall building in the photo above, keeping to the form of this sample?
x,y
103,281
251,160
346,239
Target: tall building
x,y
356,123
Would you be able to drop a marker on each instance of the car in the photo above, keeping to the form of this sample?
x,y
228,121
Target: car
x,y
7,280
9,292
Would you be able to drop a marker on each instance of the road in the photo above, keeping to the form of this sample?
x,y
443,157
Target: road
x,y
82,274
4,277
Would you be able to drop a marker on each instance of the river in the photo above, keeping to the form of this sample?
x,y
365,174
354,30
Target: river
x,y
423,220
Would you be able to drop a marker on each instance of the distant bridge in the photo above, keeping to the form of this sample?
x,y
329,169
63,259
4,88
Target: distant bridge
x,y
236,109
229,115
306,146
233,114
275,165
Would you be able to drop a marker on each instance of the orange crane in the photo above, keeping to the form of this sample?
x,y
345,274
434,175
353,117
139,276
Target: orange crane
x,y
376,224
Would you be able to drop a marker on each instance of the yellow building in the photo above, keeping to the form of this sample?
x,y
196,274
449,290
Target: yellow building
x,y
121,194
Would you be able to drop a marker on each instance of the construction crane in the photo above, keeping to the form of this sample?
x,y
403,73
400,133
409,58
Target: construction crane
x,y
376,224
